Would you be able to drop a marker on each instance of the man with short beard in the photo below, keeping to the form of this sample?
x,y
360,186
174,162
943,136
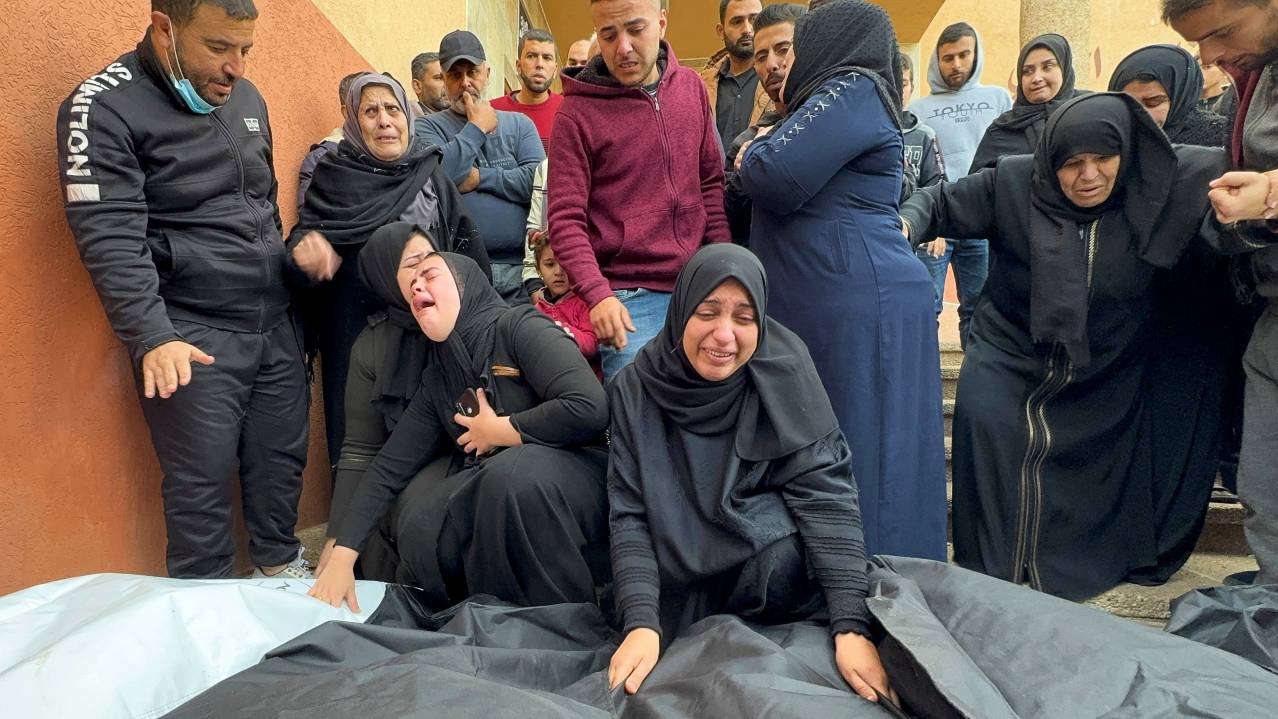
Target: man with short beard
x,y
737,98
1241,36
636,177
537,69
428,83
773,36
490,154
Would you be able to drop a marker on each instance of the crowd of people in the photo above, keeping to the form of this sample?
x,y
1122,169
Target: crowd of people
x,y
667,341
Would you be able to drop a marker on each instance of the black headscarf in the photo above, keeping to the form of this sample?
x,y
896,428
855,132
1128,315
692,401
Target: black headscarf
x,y
399,370
463,358
1025,113
353,193
771,407
1179,74
1104,124
1173,68
842,38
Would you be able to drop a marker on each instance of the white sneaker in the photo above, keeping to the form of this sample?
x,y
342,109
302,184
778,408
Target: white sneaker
x,y
297,569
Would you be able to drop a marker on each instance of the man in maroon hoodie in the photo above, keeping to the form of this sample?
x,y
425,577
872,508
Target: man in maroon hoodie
x,y
636,177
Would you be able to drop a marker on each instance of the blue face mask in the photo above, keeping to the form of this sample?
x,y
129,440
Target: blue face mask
x,y
185,89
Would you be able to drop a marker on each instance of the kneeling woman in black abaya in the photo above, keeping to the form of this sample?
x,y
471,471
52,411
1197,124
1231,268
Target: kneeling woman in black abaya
x,y
729,478
1055,482
509,396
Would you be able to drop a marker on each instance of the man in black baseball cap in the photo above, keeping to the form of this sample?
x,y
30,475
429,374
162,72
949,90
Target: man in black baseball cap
x,y
460,45
490,154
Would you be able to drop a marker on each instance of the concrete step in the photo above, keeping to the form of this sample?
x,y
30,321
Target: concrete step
x,y
949,379
1152,605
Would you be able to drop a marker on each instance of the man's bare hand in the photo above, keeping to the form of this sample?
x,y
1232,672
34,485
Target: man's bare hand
x,y
316,257
480,113
1238,196
936,248
168,367
471,182
611,321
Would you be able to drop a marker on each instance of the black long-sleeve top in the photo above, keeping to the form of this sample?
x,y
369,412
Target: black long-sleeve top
x,y
555,400
698,509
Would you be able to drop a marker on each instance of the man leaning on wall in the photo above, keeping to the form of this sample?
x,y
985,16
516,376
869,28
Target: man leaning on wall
x,y
166,169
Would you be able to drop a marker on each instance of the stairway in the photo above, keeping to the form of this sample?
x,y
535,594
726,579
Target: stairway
x,y
1221,549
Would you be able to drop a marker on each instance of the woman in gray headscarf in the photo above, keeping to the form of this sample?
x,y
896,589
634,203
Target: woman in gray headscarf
x,y
380,173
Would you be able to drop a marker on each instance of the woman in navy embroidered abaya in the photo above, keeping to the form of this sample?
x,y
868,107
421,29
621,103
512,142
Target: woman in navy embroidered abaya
x,y
826,186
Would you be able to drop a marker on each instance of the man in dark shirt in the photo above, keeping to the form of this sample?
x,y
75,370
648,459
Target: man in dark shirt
x,y
737,98
775,28
168,179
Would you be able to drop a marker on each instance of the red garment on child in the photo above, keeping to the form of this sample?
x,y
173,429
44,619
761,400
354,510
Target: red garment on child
x,y
570,311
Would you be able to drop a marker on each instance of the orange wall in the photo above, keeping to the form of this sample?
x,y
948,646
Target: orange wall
x,y
81,487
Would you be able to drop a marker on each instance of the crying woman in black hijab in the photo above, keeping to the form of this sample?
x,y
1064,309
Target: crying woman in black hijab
x,y
1168,81
515,416
729,477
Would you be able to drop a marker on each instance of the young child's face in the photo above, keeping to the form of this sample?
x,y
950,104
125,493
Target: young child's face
x,y
552,273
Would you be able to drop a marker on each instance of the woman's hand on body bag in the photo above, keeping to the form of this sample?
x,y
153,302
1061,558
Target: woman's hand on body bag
x,y
335,581
858,662
316,257
486,431
634,659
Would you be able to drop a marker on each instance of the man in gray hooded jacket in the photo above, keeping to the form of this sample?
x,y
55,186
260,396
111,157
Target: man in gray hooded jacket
x,y
959,110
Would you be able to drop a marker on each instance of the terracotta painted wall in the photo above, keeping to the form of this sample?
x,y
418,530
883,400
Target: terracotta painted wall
x,y
81,484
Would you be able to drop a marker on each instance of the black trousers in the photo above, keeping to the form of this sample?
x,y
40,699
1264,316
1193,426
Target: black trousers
x,y
250,408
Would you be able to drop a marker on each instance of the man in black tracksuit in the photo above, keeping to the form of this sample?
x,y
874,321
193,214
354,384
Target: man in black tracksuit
x,y
170,191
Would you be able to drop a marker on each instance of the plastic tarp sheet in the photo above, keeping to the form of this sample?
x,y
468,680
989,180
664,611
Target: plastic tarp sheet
x,y
118,645
1240,620
956,644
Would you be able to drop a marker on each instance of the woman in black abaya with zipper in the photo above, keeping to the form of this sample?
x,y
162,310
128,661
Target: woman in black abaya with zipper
x,y
1054,481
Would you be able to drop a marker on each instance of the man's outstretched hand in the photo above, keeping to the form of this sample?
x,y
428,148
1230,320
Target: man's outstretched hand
x,y
611,321
168,367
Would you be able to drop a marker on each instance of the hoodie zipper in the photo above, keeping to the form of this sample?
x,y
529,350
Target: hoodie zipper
x,y
1060,373
257,216
665,145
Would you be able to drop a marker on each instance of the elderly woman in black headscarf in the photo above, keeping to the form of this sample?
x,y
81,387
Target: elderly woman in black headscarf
x,y
1046,70
507,399
729,482
1054,480
826,186
1168,81
380,173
